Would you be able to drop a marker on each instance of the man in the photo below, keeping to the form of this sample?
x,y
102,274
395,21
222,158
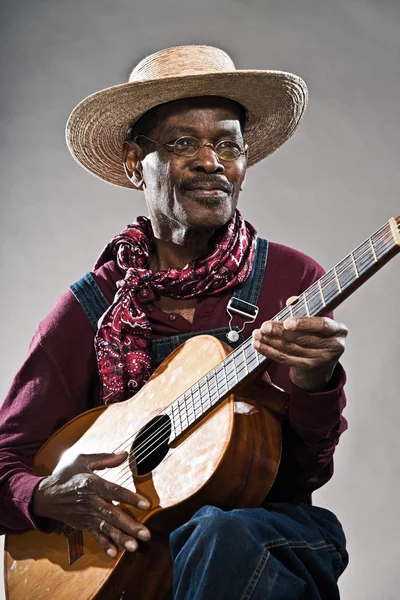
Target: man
x,y
184,130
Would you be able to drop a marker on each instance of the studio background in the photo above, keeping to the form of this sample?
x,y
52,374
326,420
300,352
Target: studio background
x,y
330,187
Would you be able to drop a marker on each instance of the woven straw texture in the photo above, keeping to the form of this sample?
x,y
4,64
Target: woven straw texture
x,y
275,102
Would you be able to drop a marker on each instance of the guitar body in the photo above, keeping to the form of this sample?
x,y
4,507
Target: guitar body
x,y
229,458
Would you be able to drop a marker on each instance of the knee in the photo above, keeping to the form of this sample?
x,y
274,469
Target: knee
x,y
210,527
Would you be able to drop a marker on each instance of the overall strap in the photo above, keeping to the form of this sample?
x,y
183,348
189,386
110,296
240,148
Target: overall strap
x,y
94,303
245,298
90,297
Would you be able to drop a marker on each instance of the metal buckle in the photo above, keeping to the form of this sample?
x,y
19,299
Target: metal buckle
x,y
233,334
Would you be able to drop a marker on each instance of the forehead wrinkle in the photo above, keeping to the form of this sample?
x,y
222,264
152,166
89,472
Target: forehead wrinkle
x,y
223,128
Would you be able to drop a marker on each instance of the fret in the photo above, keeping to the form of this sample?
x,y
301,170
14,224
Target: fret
x,y
239,372
214,390
354,264
225,377
330,287
177,424
197,404
231,372
183,412
337,279
207,395
321,291
189,406
373,249
299,308
314,300
252,359
245,360
364,257
382,240
306,305
346,272
221,381
216,384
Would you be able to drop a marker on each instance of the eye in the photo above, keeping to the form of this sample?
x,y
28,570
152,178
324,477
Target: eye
x,y
186,142
228,145
186,146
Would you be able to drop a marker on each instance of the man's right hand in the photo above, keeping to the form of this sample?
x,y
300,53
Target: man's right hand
x,y
78,497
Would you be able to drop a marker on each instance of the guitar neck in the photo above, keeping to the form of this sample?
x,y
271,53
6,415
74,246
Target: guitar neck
x,y
319,299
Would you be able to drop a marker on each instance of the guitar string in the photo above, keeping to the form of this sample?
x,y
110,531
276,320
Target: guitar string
x,y
194,404
127,475
167,427
145,445
310,298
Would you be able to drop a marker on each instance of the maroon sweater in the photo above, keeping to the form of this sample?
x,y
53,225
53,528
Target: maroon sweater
x,y
59,380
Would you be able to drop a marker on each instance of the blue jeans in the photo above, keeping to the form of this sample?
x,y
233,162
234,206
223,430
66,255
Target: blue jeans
x,y
283,552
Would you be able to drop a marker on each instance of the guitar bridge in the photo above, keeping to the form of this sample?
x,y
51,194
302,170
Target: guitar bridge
x,y
75,543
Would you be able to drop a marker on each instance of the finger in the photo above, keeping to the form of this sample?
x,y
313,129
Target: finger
x,y
120,539
289,349
323,326
298,343
273,330
104,542
104,460
291,300
122,520
116,493
306,359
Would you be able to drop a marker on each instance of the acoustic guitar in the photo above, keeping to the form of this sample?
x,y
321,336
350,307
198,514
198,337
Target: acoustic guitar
x,y
201,431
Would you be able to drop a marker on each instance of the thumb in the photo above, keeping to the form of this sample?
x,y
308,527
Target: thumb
x,y
291,300
104,460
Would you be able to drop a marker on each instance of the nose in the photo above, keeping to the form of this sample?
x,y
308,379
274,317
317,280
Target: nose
x,y
206,161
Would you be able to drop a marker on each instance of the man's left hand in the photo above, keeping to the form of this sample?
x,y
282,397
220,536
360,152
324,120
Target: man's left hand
x,y
310,346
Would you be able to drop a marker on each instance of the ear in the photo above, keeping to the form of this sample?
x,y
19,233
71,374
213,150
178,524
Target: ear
x,y
132,162
246,155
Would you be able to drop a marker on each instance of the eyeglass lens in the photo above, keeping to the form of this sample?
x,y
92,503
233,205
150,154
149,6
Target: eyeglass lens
x,y
225,150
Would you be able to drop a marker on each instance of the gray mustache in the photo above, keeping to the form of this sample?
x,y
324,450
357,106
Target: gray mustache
x,y
209,181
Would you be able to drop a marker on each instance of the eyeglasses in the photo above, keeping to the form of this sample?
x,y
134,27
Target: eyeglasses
x,y
189,146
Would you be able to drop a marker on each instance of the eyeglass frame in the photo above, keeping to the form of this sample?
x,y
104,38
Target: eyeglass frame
x,y
170,147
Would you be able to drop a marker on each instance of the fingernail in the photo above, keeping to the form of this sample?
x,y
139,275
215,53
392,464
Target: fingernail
x,y
131,546
144,504
256,345
289,324
144,534
112,552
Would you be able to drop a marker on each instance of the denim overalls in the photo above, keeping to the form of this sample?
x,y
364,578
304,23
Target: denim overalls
x,y
244,301
280,552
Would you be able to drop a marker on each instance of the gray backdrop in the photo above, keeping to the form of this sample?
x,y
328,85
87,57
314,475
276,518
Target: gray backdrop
x,y
331,186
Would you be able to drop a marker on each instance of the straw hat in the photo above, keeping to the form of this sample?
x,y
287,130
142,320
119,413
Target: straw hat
x,y
96,129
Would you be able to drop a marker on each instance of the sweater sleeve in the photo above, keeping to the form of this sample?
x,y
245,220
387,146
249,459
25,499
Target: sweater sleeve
x,y
55,383
314,422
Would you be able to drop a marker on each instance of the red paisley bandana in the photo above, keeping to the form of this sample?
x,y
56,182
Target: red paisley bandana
x,y
123,341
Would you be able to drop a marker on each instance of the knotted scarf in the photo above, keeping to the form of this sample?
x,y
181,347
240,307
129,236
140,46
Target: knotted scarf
x,y
123,340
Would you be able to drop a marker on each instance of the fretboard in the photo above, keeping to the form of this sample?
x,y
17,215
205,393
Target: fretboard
x,y
319,299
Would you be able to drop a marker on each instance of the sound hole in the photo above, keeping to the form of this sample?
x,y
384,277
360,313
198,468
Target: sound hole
x,y
150,445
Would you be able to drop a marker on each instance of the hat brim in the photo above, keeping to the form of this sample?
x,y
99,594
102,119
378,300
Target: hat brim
x,y
97,128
